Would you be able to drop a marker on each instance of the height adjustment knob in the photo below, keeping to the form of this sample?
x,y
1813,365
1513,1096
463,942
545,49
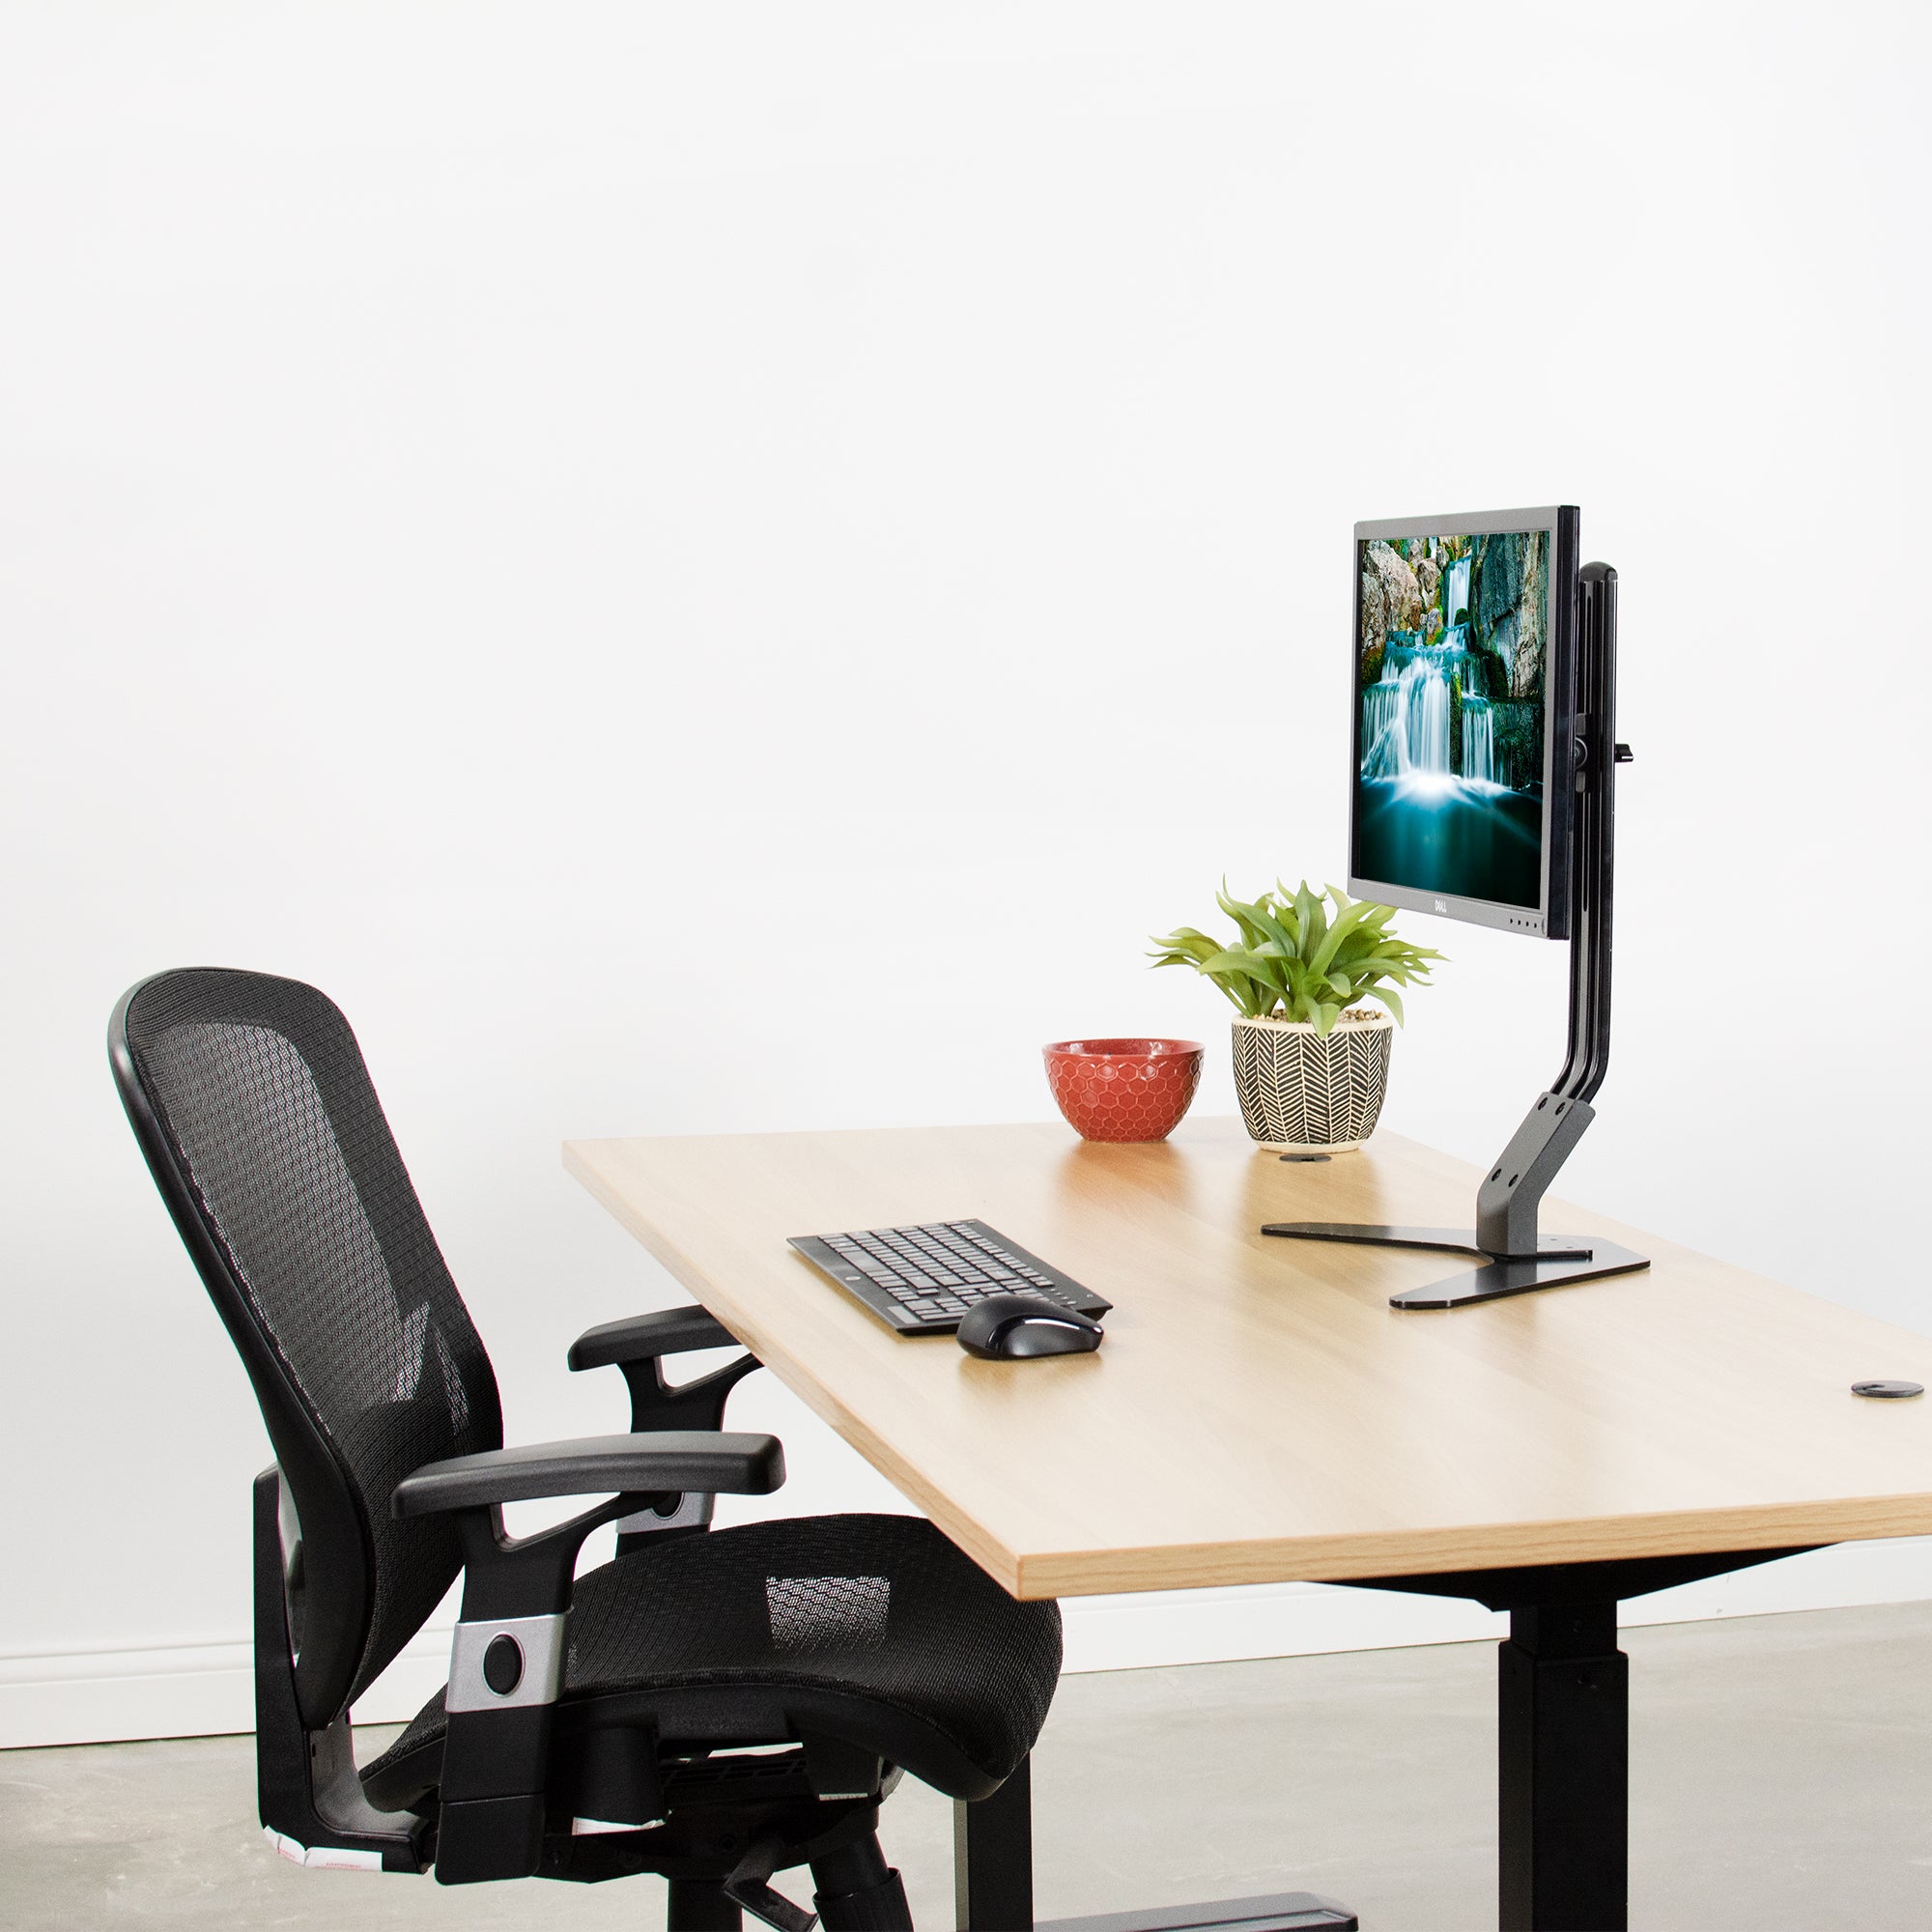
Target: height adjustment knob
x,y
504,1663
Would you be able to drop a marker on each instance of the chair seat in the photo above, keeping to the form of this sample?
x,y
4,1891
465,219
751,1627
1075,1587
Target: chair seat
x,y
875,1628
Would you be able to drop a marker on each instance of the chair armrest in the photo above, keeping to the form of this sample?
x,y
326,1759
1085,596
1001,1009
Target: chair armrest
x,y
662,1463
507,1659
637,1346
643,1338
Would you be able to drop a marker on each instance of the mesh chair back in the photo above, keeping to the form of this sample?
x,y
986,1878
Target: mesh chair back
x,y
262,1127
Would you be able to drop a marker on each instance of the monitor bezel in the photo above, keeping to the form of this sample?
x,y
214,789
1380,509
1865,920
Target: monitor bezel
x,y
1550,919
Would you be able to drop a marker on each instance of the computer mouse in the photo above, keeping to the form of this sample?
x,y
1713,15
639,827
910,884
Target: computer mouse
x,y
1006,1327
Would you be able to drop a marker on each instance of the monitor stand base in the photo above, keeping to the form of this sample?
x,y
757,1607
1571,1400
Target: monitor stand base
x,y
1558,1260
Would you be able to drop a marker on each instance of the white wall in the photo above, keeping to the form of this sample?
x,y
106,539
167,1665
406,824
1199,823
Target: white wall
x,y
711,568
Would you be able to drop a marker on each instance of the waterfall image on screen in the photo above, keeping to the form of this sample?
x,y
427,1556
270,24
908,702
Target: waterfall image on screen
x,y
1455,634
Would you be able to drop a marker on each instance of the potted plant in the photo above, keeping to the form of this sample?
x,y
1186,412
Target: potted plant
x,y
1310,1066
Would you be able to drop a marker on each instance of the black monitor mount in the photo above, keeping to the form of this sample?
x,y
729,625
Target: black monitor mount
x,y
1515,1260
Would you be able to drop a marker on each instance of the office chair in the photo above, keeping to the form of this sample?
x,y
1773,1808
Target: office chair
x,y
592,1726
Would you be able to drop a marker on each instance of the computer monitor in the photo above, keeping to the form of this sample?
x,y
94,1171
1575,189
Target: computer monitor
x,y
1462,662
1483,685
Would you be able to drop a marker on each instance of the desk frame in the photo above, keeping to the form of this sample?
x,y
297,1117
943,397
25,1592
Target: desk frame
x,y
1562,1760
1563,1728
1622,1436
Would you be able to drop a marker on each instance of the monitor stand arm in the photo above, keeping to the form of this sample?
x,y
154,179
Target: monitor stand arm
x,y
1516,1260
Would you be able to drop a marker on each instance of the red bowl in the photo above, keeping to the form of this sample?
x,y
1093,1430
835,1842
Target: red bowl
x,y
1123,1090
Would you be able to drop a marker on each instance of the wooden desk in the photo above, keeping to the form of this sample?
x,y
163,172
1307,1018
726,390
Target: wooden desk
x,y
1259,1412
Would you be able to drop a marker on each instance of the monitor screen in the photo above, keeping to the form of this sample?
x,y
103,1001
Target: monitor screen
x,y
1461,648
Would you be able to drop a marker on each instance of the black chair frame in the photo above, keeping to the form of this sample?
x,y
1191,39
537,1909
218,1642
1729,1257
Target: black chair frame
x,y
659,1770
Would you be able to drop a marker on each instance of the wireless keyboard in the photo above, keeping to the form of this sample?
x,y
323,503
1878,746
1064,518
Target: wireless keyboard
x,y
922,1280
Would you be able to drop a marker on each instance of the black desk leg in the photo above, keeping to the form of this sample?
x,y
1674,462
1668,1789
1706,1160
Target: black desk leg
x,y
1563,1751
993,1858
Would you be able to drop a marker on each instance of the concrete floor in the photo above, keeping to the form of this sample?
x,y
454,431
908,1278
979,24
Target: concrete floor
x,y
1780,1776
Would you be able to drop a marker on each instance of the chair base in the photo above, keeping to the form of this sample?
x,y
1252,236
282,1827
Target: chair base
x,y
697,1905
857,1891
1273,1912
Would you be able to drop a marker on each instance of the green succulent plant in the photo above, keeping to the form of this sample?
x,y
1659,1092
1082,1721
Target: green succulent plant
x,y
1293,961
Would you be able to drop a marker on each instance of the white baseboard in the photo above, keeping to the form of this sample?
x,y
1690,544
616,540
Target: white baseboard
x,y
100,1696
201,1689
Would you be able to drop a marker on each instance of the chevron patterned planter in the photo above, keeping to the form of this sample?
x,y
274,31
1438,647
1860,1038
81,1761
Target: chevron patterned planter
x,y
1305,1095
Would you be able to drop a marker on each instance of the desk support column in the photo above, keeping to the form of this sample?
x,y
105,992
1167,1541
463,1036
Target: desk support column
x,y
993,1858
1563,1757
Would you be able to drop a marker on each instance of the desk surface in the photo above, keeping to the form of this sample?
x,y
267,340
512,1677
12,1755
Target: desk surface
x,y
1259,1412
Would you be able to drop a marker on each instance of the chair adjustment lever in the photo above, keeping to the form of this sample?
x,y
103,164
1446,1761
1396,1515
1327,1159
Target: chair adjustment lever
x,y
749,1887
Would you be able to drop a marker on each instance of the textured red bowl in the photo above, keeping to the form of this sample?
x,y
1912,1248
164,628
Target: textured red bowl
x,y
1123,1090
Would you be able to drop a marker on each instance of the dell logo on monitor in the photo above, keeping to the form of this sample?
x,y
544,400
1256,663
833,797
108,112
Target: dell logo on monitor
x,y
1441,905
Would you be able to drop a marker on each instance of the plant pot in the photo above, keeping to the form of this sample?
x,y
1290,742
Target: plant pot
x,y
1305,1095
